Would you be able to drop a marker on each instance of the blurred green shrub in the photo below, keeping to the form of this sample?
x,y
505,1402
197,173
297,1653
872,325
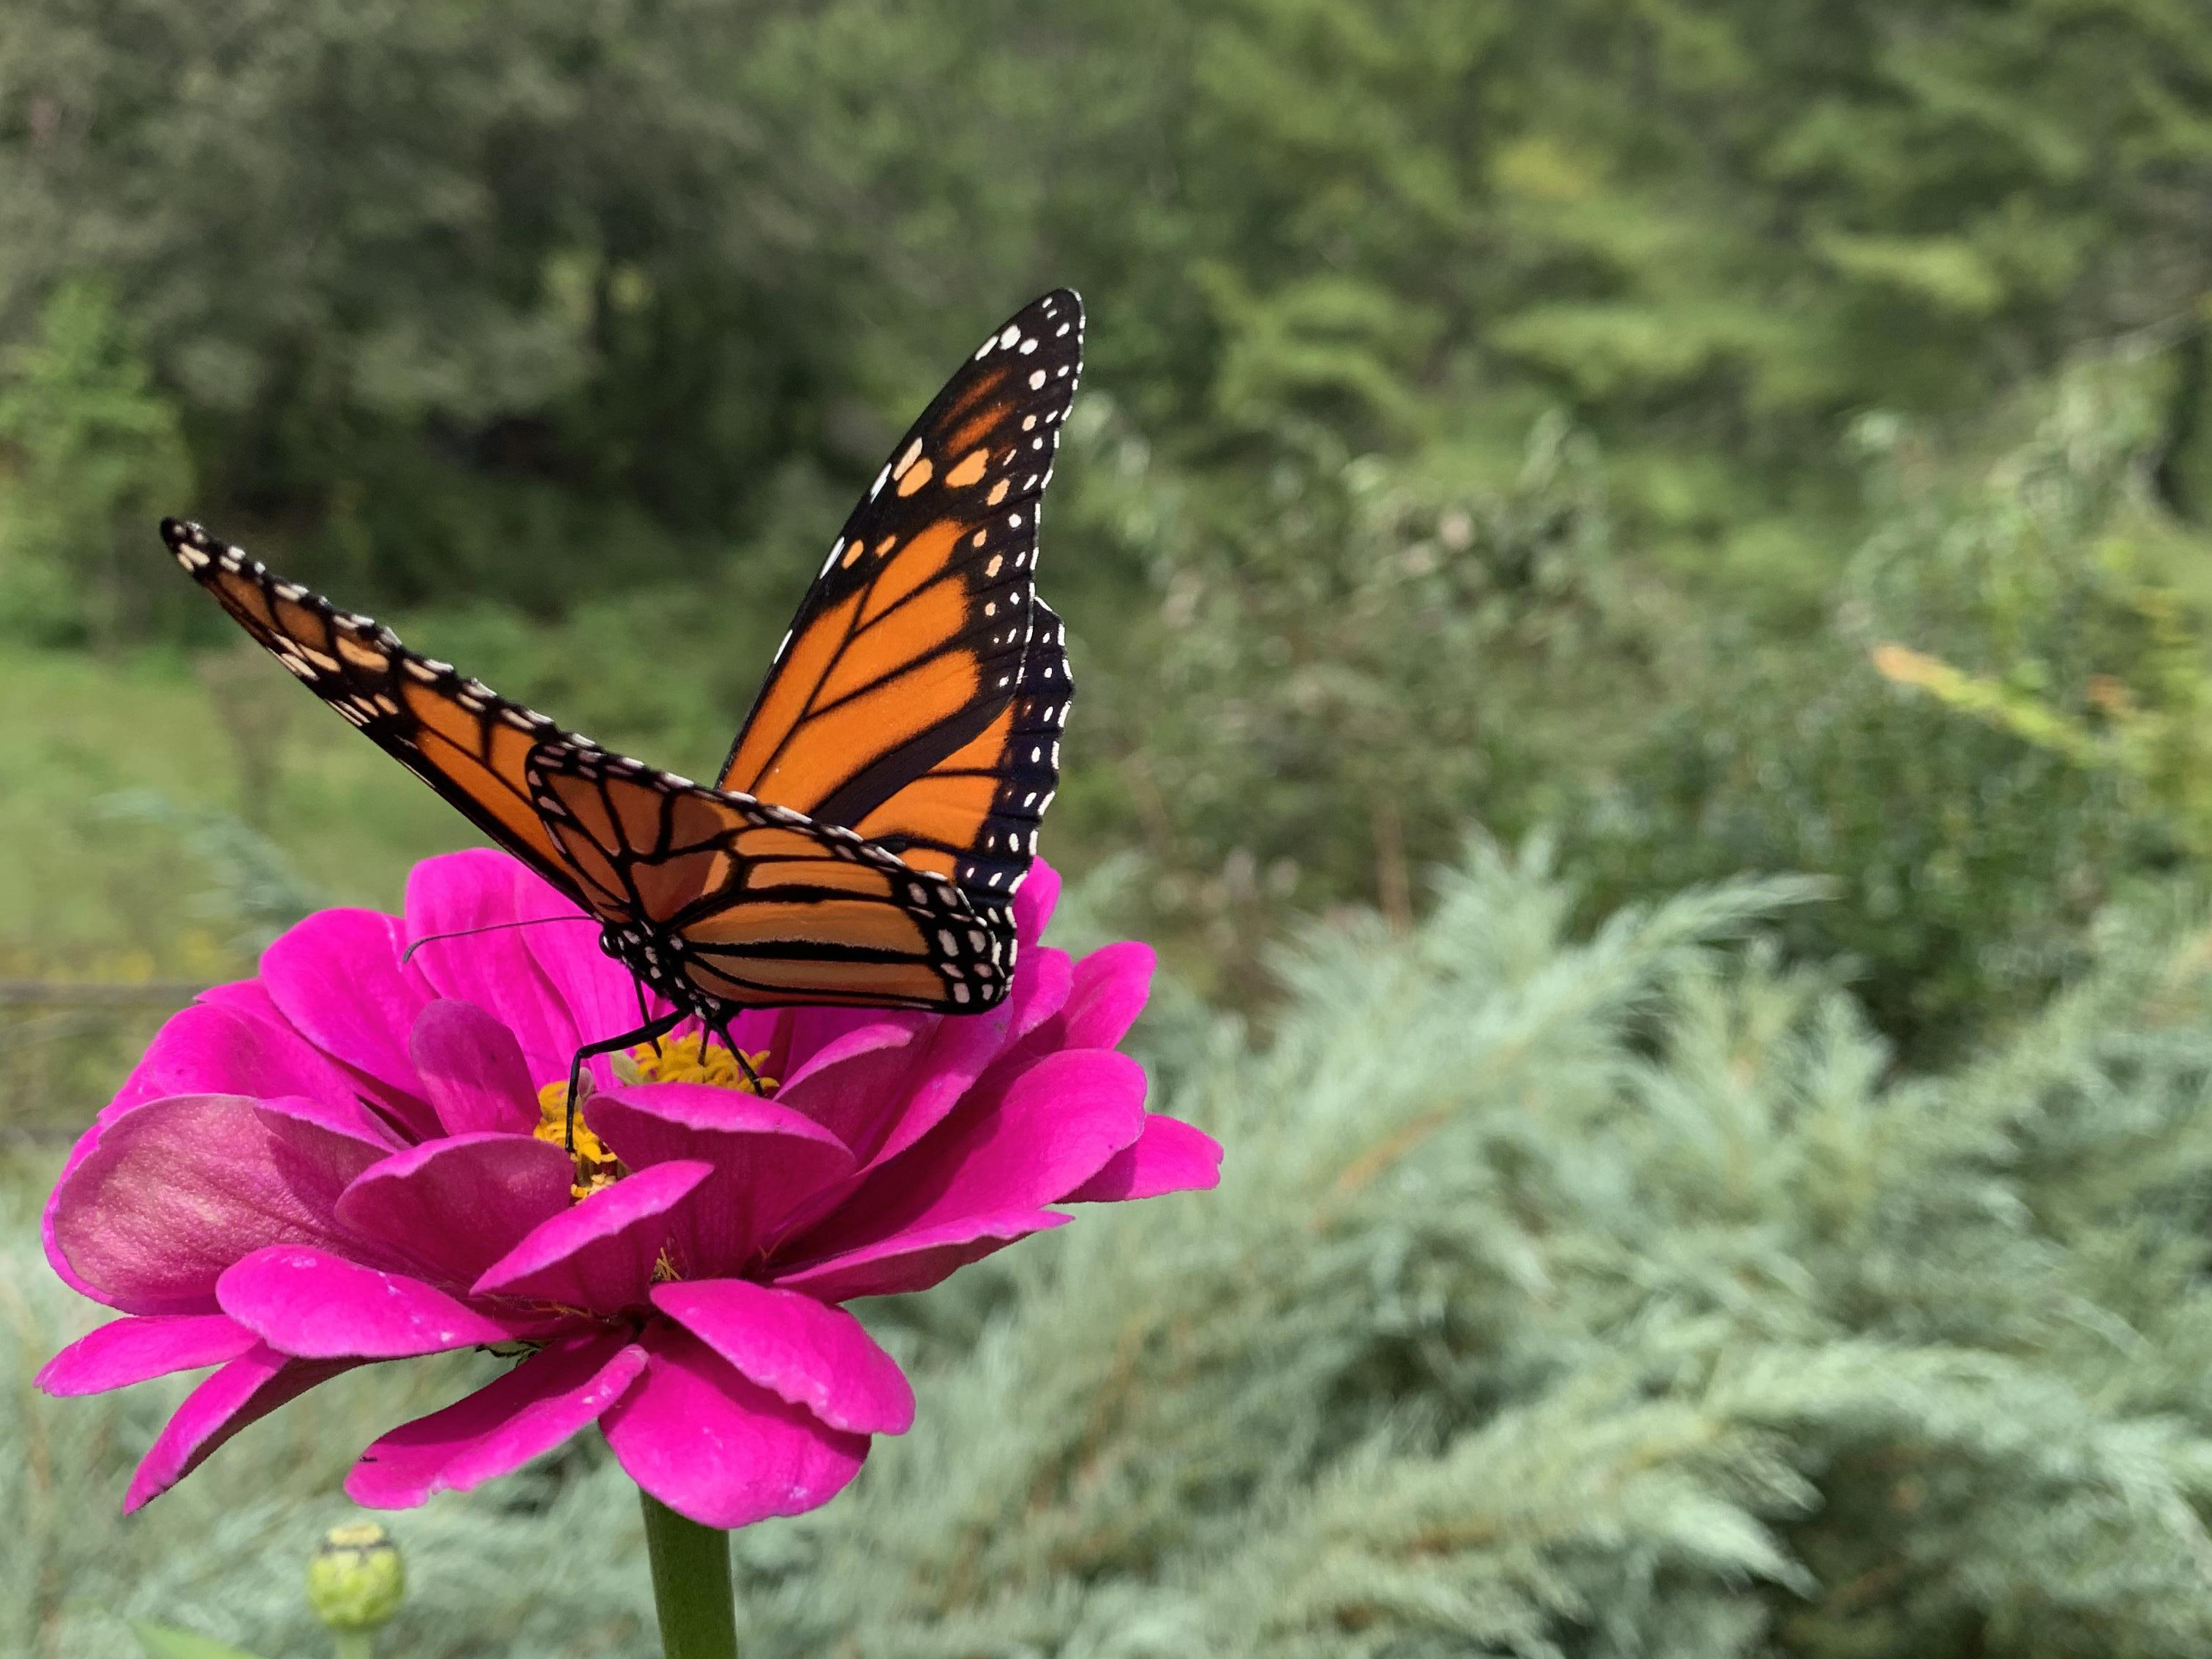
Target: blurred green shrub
x,y
2051,608
1348,664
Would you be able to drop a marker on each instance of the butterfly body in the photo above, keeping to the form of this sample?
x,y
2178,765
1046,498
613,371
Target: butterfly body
x,y
880,805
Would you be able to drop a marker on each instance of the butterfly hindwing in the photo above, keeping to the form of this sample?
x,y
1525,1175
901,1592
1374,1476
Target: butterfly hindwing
x,y
751,903
914,685
458,735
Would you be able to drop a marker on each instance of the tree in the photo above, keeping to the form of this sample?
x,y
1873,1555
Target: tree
x,y
97,454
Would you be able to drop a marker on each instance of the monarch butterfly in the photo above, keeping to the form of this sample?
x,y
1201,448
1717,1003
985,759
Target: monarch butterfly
x,y
880,803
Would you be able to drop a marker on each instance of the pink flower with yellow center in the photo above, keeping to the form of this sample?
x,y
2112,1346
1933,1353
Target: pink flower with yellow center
x,y
358,1157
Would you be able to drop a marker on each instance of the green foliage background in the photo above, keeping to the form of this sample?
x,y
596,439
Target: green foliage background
x,y
1692,437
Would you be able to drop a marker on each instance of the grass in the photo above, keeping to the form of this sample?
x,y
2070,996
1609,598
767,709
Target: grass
x,y
88,891
133,776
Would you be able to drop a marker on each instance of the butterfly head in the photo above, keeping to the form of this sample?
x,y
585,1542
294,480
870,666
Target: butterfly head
x,y
653,958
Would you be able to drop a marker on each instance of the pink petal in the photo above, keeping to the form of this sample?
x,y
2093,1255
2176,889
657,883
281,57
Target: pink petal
x,y
966,1047
499,1428
599,1254
472,1069
211,1049
131,1350
1111,986
313,1305
1054,1127
456,1206
249,997
799,1035
153,1077
495,970
845,1081
336,977
1169,1157
169,1194
766,1157
799,1349
86,1144
242,1392
64,1204
719,1448
346,1124
913,1261
1044,1031
1035,902
962,1051
957,1053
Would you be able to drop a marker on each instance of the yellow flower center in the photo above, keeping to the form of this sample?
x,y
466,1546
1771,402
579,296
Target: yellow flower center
x,y
677,1060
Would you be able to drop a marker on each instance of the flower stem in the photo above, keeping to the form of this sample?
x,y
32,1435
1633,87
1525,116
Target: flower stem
x,y
690,1584
354,1644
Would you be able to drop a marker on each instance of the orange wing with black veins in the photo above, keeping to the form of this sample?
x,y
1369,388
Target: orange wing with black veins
x,y
456,734
918,696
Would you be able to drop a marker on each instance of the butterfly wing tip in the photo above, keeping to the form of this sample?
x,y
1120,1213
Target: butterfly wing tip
x,y
190,546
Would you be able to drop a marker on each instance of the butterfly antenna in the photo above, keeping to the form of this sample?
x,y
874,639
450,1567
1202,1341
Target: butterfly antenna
x,y
414,945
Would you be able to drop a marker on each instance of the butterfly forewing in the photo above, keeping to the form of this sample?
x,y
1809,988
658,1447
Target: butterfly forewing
x,y
975,812
458,735
918,697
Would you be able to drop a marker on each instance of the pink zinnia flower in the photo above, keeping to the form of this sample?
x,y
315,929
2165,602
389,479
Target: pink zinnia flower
x,y
354,1158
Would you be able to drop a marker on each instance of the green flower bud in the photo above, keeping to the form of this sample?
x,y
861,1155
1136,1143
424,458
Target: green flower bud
x,y
356,1579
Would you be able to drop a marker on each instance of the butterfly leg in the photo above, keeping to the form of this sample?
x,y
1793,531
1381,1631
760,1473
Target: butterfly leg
x,y
644,1015
737,1055
652,1031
